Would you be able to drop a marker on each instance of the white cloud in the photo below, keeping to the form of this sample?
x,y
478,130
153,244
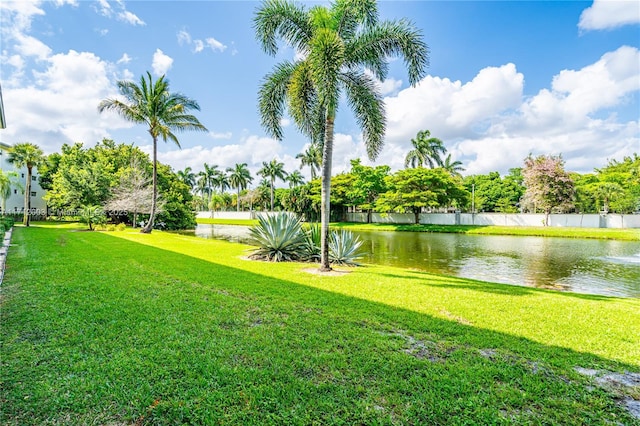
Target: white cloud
x,y
225,135
489,125
105,8
608,14
161,63
31,46
285,122
130,18
61,105
390,86
215,44
183,37
125,59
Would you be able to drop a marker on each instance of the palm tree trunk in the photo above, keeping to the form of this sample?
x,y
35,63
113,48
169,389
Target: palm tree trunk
x,y
273,181
238,199
147,229
327,154
26,218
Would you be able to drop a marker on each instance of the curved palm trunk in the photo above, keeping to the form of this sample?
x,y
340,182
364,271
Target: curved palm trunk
x,y
147,229
327,154
26,219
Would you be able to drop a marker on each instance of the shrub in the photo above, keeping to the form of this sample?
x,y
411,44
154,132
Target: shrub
x,y
344,247
92,215
279,238
312,243
121,226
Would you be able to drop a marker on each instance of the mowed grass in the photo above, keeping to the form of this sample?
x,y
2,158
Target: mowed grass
x,y
125,328
628,234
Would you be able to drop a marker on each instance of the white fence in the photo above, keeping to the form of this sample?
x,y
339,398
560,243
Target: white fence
x,y
504,219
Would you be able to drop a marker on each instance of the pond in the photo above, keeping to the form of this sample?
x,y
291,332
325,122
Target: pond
x,y
601,267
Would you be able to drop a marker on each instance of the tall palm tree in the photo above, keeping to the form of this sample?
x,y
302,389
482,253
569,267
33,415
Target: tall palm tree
x,y
202,187
337,44
26,155
209,173
152,103
311,157
272,170
187,177
453,167
295,178
8,180
426,151
239,178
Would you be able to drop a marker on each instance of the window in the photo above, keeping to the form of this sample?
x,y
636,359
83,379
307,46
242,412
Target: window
x,y
15,191
33,193
33,177
23,176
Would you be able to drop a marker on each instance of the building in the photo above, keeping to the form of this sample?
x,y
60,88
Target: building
x,y
15,202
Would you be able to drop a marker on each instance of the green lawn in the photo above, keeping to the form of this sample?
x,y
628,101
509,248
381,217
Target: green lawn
x,y
125,328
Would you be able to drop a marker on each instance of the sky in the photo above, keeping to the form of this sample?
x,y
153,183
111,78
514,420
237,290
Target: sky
x,y
506,79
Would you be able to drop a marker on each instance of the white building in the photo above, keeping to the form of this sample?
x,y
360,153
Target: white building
x,y
15,202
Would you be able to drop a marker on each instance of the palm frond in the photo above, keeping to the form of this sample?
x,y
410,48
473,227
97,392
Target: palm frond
x,y
366,101
272,97
282,19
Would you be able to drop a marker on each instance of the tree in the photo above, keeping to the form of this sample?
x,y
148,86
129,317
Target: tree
x,y
272,170
418,188
548,185
26,155
152,103
8,180
453,167
295,178
337,44
607,191
311,157
187,177
368,183
239,178
426,150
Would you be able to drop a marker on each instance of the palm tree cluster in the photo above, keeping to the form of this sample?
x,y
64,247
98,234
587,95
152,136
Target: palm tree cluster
x,y
427,151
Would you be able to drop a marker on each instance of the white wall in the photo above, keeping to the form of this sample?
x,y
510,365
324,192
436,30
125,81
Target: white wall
x,y
505,219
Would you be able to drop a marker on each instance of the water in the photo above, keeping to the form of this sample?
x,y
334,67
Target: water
x,y
601,267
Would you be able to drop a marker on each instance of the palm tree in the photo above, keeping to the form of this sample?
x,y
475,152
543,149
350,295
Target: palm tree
x,y
453,167
187,177
336,45
426,151
202,187
607,191
26,155
8,180
311,157
272,170
209,173
239,178
152,103
295,178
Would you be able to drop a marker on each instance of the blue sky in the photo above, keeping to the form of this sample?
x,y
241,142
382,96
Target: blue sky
x,y
506,79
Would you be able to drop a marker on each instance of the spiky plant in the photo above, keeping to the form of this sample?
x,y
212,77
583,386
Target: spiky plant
x,y
279,238
312,242
344,248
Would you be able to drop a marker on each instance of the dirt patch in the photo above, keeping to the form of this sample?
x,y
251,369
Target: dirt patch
x,y
331,273
626,385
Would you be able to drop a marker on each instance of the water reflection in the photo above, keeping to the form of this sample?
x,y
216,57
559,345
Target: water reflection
x,y
579,265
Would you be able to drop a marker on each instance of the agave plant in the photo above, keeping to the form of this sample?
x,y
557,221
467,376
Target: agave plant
x,y
312,243
344,248
279,238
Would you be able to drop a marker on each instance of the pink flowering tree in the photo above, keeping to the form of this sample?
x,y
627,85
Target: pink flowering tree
x,y
548,186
